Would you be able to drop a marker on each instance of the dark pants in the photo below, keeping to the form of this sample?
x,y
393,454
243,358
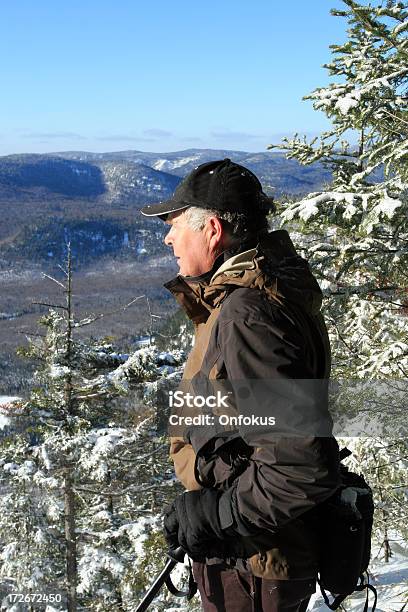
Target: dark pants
x,y
228,590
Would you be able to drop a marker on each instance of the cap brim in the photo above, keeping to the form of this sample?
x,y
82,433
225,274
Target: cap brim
x,y
163,208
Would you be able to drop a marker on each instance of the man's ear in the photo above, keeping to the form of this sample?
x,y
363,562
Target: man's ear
x,y
215,233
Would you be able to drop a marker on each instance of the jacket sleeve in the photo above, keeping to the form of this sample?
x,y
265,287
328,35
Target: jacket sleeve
x,y
183,457
286,476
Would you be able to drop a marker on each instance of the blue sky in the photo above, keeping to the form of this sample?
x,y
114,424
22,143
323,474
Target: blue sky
x,y
104,75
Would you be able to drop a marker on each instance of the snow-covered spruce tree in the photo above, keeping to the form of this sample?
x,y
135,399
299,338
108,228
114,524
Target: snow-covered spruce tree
x,y
83,479
355,234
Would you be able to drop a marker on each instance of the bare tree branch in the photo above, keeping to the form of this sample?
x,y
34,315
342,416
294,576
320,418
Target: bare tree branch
x,y
94,318
54,280
51,305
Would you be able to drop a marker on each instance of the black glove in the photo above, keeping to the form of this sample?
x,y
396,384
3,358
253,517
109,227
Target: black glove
x,y
192,521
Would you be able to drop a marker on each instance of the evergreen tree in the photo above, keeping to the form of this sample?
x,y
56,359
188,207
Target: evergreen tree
x,y
355,233
83,478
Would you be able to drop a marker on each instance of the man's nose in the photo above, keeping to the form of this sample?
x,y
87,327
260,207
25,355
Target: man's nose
x,y
168,239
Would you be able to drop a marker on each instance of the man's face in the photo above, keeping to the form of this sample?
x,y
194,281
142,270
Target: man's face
x,y
194,250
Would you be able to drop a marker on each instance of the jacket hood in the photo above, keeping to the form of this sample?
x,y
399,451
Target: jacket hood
x,y
273,265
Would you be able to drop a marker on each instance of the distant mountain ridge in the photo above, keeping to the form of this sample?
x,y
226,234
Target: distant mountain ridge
x,y
110,180
137,176
92,199
277,174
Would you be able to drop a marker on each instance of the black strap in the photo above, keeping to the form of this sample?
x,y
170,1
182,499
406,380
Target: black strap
x,y
369,587
366,585
337,601
344,453
192,585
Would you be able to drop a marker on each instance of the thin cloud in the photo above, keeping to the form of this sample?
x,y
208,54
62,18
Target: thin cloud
x,y
231,135
54,135
124,138
191,139
157,133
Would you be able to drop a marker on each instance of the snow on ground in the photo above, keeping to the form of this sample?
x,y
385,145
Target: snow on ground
x,y
161,164
166,164
185,160
5,399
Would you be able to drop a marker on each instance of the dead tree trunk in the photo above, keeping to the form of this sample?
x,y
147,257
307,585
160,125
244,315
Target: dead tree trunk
x,y
70,541
69,495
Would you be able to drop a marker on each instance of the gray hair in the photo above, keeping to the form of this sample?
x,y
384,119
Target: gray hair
x,y
238,226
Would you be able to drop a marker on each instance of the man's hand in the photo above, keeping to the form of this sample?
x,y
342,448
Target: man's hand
x,y
171,526
192,522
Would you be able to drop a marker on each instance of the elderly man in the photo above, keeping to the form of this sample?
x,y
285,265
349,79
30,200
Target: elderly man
x,y
248,518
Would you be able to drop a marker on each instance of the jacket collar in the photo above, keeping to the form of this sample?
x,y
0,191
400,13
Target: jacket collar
x,y
273,266
199,295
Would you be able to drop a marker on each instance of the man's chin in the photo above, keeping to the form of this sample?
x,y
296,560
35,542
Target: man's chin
x,y
195,271
183,272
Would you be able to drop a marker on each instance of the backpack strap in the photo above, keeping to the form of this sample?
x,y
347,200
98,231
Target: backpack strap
x,y
366,585
338,600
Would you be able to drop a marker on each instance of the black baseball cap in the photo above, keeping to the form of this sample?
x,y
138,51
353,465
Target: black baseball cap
x,y
220,185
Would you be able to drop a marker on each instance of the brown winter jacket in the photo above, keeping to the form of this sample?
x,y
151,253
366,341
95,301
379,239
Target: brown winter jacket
x,y
257,318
